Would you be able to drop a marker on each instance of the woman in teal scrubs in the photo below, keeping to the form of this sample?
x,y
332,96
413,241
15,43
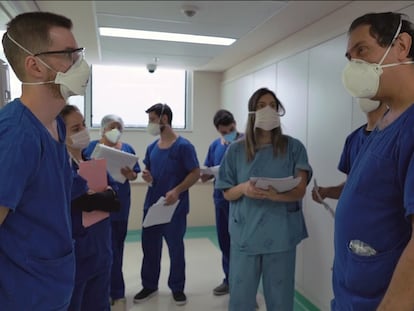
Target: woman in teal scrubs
x,y
265,225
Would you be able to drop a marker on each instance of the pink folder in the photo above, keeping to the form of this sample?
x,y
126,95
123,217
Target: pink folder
x,y
94,171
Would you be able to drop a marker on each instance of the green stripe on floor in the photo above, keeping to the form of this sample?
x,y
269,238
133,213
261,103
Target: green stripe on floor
x,y
209,232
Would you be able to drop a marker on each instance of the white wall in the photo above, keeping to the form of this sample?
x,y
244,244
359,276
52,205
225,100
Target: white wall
x,y
305,71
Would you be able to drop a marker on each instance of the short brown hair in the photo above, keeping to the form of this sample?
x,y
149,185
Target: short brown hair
x,y
31,30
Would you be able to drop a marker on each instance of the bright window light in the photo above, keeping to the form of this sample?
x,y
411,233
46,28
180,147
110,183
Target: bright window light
x,y
163,36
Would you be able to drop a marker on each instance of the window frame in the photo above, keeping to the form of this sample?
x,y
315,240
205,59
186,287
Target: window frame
x,y
188,106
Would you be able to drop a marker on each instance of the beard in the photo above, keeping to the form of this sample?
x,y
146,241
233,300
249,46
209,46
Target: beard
x,y
54,88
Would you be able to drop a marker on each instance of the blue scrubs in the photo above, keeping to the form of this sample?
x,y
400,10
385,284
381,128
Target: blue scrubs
x,y
375,207
37,263
168,167
119,223
93,250
263,233
352,146
214,156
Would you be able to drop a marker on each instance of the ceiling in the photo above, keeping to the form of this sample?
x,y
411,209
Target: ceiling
x,y
255,24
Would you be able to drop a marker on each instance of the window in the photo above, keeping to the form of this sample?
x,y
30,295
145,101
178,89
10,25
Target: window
x,y
129,91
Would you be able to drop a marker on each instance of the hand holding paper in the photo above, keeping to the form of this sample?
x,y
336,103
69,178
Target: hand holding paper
x,y
280,184
212,170
159,213
116,160
326,205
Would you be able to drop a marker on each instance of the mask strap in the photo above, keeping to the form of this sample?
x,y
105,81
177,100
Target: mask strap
x,y
30,53
18,44
392,42
37,83
162,111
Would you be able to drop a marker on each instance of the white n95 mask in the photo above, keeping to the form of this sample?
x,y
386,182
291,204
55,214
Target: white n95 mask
x,y
361,79
368,105
75,80
81,139
154,128
113,135
267,118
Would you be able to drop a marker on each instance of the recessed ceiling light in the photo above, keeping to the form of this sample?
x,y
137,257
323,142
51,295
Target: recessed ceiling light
x,y
163,36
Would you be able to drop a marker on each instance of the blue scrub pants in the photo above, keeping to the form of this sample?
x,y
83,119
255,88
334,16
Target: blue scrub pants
x,y
92,294
278,274
119,232
173,234
222,226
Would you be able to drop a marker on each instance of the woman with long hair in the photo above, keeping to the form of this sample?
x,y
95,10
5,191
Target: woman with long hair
x,y
265,225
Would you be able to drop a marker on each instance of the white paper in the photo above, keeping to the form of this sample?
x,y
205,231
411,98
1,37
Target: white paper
x,y
159,213
326,205
115,160
212,170
280,184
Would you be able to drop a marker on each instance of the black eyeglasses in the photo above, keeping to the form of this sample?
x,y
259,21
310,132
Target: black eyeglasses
x,y
72,54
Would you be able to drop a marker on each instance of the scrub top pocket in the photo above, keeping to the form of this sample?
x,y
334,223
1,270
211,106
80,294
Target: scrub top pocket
x,y
382,183
369,276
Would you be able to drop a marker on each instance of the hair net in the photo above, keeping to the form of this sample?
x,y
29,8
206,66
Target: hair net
x,y
110,118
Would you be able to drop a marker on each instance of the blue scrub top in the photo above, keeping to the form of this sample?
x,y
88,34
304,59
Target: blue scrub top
x,y
36,247
352,146
214,156
124,189
168,168
264,226
375,207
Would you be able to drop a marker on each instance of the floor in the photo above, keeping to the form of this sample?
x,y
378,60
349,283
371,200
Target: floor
x,y
203,273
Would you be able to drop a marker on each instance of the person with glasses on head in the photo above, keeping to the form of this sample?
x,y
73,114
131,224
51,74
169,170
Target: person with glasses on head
x,y
112,127
265,225
226,125
37,263
91,226
373,240
171,168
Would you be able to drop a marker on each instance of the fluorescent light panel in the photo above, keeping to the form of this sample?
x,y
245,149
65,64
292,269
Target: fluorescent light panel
x,y
163,36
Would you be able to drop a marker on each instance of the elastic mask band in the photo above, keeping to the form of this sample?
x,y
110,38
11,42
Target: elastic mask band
x,y
18,44
392,42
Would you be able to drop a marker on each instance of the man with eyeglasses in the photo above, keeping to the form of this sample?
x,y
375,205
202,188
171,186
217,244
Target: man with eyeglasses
x,y
36,249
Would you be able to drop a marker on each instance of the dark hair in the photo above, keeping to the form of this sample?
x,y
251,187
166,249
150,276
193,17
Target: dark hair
x,y
67,110
383,27
31,30
161,109
279,141
223,117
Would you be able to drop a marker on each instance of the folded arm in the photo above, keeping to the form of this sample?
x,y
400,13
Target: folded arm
x,y
104,201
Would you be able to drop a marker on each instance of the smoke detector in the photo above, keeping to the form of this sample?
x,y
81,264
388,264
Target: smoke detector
x,y
189,10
